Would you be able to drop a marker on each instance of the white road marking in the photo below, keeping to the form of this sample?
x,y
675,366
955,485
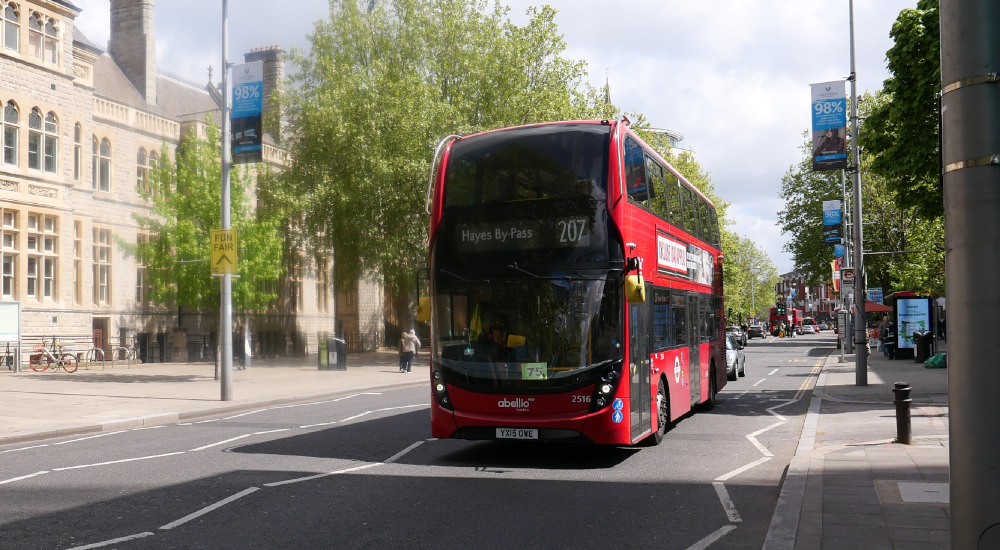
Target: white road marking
x,y
115,461
400,454
711,539
90,437
113,541
772,372
208,509
727,503
318,476
13,479
741,469
762,380
223,442
24,448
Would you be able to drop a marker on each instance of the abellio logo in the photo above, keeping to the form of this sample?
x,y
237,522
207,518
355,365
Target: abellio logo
x,y
516,403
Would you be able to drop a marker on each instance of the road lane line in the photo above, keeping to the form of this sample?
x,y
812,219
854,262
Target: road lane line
x,y
115,461
243,414
223,442
208,509
90,437
113,541
711,539
772,372
741,469
761,381
13,479
400,454
24,448
727,503
317,425
327,474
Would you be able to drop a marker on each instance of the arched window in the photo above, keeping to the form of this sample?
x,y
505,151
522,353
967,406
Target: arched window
x,y
102,165
11,118
35,35
51,42
77,151
12,28
35,139
51,139
140,173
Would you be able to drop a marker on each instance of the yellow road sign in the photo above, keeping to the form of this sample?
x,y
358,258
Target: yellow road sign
x,y
224,251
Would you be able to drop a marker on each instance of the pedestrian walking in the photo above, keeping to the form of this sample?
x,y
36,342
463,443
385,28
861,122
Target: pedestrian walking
x,y
889,339
409,344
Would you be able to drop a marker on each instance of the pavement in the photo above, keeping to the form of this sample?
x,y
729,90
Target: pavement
x,y
850,485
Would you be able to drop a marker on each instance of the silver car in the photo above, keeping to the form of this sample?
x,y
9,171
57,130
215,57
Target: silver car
x,y
736,360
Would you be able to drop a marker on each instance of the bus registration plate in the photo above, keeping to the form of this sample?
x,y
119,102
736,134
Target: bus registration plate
x,y
517,433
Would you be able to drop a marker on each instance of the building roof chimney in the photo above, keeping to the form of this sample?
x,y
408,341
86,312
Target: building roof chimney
x,y
133,44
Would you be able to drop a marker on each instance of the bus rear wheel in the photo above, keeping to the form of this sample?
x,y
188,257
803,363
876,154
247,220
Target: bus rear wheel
x,y
713,390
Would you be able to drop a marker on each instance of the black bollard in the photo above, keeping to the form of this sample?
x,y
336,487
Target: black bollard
x,y
902,401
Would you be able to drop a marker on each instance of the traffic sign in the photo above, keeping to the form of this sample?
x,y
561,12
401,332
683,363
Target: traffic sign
x,y
847,275
224,249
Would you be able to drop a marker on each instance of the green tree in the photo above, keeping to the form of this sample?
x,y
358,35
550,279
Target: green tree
x,y
380,88
186,199
902,133
804,191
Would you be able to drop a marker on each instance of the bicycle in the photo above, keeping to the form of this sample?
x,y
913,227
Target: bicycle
x,y
43,359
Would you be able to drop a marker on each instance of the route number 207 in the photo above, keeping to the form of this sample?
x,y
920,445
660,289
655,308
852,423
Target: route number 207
x,y
573,230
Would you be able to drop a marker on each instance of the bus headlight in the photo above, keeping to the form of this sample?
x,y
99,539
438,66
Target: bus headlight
x,y
606,388
441,390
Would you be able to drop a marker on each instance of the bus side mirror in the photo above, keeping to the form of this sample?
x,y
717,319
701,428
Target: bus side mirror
x,y
424,309
635,289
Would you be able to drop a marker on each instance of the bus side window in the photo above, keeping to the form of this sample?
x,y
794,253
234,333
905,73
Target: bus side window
x,y
690,212
654,180
706,226
636,184
673,198
678,324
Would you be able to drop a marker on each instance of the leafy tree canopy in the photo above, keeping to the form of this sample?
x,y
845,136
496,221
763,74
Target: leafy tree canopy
x,y
901,134
187,205
378,90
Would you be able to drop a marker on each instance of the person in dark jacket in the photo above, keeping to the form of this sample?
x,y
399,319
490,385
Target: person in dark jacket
x,y
889,339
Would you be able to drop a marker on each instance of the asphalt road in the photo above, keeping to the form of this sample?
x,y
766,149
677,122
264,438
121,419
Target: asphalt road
x,y
361,471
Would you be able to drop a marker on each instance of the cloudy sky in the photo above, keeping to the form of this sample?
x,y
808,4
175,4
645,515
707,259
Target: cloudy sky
x,y
732,76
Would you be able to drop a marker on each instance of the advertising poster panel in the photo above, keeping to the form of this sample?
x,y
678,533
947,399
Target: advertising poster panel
x,y
831,222
913,314
248,106
829,126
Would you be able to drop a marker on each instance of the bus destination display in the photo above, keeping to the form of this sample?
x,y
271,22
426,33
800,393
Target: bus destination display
x,y
522,234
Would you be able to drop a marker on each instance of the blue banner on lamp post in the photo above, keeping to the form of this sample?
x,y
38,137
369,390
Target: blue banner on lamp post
x,y
829,126
248,106
831,222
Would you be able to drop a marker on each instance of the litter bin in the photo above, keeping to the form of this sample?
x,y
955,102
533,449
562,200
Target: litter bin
x,y
338,353
922,345
332,354
324,355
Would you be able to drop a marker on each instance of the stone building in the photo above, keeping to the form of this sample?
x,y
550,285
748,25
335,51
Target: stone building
x,y
81,128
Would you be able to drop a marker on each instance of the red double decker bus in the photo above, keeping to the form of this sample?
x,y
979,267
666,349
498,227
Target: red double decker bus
x,y
575,287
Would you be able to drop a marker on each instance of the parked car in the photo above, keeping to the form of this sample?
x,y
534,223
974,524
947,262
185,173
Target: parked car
x,y
736,360
737,332
756,331
808,329
824,326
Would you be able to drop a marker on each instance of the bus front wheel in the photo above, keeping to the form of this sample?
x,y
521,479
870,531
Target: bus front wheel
x,y
662,416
